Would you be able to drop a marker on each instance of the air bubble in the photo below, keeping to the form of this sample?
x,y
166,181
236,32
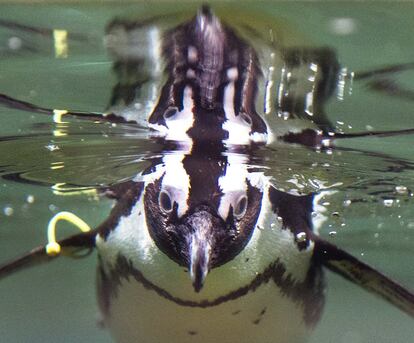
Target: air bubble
x,y
30,199
343,26
53,208
14,43
8,211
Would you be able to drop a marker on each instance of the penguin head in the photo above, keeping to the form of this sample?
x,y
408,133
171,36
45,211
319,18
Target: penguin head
x,y
202,234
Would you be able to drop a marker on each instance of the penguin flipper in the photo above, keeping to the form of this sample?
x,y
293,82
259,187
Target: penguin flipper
x,y
13,103
74,246
70,247
358,272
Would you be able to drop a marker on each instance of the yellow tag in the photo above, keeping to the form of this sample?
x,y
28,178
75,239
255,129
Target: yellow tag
x,y
53,248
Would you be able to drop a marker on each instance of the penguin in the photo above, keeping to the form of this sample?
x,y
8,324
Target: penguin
x,y
221,256
202,246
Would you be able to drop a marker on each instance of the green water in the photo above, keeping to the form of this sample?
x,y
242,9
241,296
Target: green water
x,y
56,302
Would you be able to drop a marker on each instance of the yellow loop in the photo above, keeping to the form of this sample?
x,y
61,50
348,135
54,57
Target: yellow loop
x,y
53,247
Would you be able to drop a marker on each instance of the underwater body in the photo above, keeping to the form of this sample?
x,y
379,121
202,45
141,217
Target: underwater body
x,y
201,241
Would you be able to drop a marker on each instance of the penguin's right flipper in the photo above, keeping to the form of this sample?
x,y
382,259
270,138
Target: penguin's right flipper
x,y
82,244
70,246
21,105
356,271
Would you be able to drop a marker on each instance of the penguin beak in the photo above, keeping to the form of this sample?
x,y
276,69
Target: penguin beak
x,y
200,247
199,263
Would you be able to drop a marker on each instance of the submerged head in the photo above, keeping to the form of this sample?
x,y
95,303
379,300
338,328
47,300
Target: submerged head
x,y
204,226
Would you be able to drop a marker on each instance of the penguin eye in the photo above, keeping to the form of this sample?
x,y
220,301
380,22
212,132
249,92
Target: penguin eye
x,y
170,112
241,207
165,202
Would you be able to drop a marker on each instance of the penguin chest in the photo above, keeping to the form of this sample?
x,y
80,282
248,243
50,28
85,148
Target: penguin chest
x,y
140,314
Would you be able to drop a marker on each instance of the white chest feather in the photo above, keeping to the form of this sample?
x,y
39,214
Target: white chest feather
x,y
263,316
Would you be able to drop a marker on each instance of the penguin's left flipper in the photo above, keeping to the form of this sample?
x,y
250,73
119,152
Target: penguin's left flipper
x,y
295,212
320,139
384,71
358,272
71,246
380,80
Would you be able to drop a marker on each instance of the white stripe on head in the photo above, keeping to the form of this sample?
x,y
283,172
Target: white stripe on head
x,y
238,130
237,127
177,125
176,181
233,183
